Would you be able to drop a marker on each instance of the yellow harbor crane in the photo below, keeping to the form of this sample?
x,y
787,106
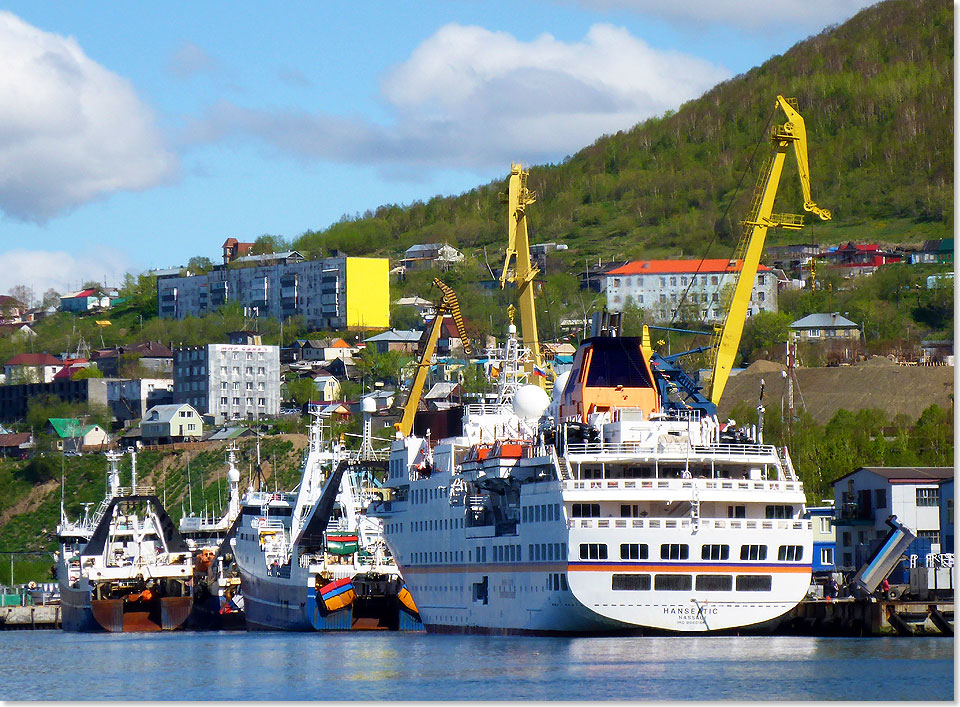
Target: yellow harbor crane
x,y
761,217
518,197
428,344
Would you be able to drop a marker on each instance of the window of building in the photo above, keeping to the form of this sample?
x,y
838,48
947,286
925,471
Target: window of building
x,y
714,280
663,282
715,552
585,510
754,583
683,280
592,551
672,582
790,553
663,298
761,296
674,551
714,583
630,582
934,535
223,401
616,282
928,497
845,537
879,498
779,512
761,279
633,551
736,511
826,556
753,552
813,333
824,524
673,281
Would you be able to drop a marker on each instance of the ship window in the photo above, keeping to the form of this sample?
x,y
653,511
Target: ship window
x,y
586,510
593,551
714,582
674,551
629,510
753,552
536,514
523,514
754,583
616,363
779,512
736,511
790,553
672,582
715,552
633,551
630,582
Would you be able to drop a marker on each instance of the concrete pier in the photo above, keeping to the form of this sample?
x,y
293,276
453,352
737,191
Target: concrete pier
x,y
29,617
863,617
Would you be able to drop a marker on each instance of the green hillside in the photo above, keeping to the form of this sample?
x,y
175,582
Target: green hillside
x,y
877,97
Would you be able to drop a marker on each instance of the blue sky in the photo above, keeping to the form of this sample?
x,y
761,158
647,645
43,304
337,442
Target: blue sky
x,y
134,136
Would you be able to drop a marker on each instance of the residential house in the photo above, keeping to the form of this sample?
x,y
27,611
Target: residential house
x,y
859,258
16,445
338,410
662,286
75,436
540,252
164,424
791,258
592,278
129,399
322,349
423,256
12,310
448,339
865,498
71,368
824,326
85,300
406,341
423,306
824,537
151,355
31,368
936,352
230,433
327,386
233,249
17,330
932,252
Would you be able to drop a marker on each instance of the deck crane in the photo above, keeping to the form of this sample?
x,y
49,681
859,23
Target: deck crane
x,y
518,198
428,344
792,133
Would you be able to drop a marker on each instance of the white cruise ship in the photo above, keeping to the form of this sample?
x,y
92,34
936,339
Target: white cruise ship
x,y
604,511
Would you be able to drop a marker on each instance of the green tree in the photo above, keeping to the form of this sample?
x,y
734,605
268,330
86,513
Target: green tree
x,y
302,391
268,243
199,264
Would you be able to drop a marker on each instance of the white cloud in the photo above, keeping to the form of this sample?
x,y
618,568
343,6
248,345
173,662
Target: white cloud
x,y
469,97
70,130
40,270
745,14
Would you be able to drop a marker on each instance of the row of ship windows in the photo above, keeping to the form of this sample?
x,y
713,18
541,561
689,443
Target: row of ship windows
x,y
592,510
539,552
542,512
685,582
679,551
427,525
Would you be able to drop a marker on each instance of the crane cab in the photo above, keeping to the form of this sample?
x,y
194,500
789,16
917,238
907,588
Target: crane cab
x,y
609,373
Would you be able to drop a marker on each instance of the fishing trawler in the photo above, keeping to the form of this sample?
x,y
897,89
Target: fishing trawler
x,y
125,568
311,559
217,598
613,508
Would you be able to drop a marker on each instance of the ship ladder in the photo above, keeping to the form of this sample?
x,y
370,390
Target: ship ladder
x,y
788,466
562,466
695,508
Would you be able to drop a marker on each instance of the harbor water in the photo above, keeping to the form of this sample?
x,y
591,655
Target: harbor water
x,y
54,665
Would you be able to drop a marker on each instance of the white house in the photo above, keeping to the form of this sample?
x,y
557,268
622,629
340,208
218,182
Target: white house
x,y
865,498
32,368
659,287
328,387
171,423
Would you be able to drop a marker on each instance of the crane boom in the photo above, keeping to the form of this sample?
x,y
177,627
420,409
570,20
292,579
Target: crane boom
x,y
792,133
518,248
428,345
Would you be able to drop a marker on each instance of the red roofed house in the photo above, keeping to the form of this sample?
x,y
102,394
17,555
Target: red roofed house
x,y
232,248
659,286
31,368
84,300
863,258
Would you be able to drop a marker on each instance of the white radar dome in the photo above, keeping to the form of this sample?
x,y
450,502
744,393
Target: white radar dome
x,y
233,475
560,384
368,405
530,402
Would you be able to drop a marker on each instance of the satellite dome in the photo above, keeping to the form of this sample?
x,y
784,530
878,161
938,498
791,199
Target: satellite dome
x,y
530,402
368,405
560,384
233,475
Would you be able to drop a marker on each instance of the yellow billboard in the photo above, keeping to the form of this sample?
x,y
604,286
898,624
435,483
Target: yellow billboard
x,y
368,293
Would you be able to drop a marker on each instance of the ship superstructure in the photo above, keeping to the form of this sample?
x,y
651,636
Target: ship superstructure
x,y
125,568
311,559
603,510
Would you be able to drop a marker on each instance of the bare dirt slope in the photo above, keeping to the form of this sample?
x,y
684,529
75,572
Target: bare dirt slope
x,y
875,383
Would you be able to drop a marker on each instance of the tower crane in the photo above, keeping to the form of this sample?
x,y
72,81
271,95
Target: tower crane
x,y
761,217
428,345
518,198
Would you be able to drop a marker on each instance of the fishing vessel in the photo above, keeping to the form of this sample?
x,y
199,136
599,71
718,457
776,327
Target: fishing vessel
x,y
612,508
217,596
312,559
125,568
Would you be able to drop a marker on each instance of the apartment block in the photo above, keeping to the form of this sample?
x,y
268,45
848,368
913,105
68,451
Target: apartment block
x,y
659,286
334,293
228,381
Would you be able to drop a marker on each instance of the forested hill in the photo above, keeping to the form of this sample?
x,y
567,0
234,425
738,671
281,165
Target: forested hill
x,y
877,97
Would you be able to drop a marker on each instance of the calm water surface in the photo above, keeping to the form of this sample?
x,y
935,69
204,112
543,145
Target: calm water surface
x,y
52,665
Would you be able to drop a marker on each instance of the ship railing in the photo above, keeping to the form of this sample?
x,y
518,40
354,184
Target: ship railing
x,y
674,484
486,409
270,524
140,490
671,523
680,448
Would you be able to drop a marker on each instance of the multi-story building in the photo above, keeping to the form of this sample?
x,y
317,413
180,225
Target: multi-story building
x,y
228,381
14,399
660,286
865,498
130,398
333,293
